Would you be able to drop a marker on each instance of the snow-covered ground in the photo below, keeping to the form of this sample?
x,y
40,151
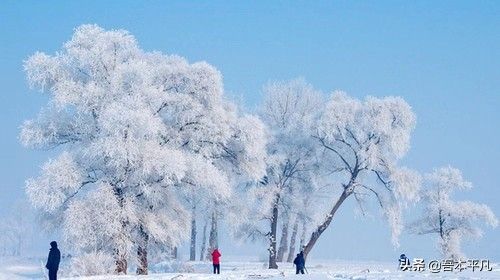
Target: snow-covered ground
x,y
15,269
21,268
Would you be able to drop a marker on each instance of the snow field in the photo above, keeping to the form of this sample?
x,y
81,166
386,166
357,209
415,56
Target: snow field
x,y
29,269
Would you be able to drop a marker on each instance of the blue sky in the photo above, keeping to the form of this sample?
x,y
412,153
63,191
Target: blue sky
x,y
443,58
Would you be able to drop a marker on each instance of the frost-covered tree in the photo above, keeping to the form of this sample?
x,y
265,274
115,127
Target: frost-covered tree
x,y
135,128
203,246
16,229
205,207
451,220
306,209
289,110
211,128
362,143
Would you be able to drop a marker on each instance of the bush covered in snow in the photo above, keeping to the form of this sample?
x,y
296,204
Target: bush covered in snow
x,y
172,266
96,263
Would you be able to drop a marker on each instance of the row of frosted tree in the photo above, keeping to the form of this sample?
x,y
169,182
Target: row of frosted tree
x,y
150,149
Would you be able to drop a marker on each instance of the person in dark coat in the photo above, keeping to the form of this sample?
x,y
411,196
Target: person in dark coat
x,y
53,261
216,260
300,263
404,262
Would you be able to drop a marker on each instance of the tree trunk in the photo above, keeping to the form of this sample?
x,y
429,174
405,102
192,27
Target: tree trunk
x,y
441,223
291,251
175,253
121,262
213,240
192,249
204,241
142,252
272,235
283,241
321,228
303,236
120,256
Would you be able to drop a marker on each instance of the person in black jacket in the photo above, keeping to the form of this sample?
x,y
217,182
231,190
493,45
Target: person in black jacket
x,y
53,261
404,262
300,263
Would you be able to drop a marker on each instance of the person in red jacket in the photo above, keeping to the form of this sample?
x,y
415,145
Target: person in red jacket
x,y
216,260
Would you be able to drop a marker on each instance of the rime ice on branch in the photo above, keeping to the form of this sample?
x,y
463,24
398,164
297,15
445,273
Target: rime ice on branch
x,y
451,220
281,200
134,129
362,143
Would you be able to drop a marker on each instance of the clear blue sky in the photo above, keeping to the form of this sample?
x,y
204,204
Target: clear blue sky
x,y
443,58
